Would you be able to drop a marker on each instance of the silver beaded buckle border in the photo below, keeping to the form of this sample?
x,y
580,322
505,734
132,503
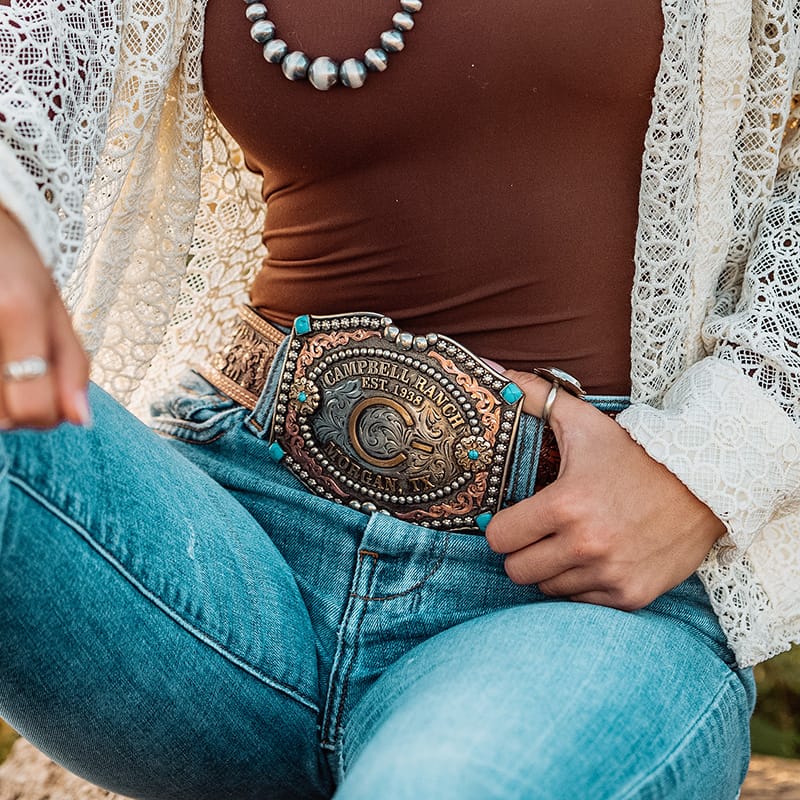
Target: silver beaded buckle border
x,y
323,72
381,420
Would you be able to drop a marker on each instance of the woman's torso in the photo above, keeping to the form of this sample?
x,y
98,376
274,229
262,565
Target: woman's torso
x,y
485,186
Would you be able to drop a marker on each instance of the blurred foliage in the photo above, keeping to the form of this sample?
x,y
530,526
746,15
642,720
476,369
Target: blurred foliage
x,y
776,723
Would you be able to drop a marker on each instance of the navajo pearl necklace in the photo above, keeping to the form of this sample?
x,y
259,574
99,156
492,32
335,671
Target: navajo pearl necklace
x,y
324,72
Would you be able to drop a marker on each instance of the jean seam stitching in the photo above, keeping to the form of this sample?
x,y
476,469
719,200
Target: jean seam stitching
x,y
201,636
681,744
433,570
185,440
367,719
325,737
333,722
217,418
337,726
164,423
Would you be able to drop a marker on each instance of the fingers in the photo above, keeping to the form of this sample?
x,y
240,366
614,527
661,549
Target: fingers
x,y
572,547
35,331
574,582
623,600
567,410
534,388
540,562
31,330
41,401
28,402
541,537
71,370
551,509
582,586
564,566
519,525
586,584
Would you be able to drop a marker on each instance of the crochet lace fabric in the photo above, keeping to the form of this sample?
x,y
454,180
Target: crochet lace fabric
x,y
103,130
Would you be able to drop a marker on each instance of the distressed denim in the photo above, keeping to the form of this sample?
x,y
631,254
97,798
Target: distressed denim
x,y
180,618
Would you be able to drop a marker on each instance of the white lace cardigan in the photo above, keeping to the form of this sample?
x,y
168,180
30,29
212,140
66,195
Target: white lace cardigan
x,y
103,131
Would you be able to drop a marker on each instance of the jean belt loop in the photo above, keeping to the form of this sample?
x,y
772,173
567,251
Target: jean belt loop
x,y
261,416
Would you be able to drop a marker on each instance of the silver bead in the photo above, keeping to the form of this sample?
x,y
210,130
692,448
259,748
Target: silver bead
x,y
376,59
295,65
256,11
412,6
262,31
275,50
403,21
353,73
323,73
392,41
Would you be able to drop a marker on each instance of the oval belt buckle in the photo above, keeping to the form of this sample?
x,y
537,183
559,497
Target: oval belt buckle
x,y
381,420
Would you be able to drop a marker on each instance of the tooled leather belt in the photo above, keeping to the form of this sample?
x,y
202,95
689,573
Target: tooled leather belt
x,y
376,418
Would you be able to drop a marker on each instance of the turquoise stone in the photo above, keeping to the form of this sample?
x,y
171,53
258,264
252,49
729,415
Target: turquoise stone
x,y
482,520
276,452
302,397
302,324
473,455
511,393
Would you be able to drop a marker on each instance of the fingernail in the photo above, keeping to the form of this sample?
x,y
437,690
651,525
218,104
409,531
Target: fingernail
x,y
82,409
494,365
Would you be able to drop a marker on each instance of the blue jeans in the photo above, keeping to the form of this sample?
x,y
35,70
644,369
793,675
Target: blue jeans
x,y
180,618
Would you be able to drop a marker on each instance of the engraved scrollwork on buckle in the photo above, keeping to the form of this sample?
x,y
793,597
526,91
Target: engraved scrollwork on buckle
x,y
379,419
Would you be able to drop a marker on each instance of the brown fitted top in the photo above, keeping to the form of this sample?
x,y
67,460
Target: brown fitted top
x,y
485,186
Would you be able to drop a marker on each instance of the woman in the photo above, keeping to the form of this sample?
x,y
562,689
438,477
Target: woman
x,y
342,650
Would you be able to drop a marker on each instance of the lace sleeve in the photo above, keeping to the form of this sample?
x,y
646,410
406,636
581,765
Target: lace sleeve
x,y
729,425
57,63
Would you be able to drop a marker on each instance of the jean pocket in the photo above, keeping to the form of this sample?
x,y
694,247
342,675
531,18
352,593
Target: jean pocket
x,y
196,412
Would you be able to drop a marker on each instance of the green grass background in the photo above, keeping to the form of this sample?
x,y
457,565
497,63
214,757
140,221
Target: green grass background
x,y
776,723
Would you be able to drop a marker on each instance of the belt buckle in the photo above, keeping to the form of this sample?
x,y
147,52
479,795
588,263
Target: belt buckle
x,y
414,426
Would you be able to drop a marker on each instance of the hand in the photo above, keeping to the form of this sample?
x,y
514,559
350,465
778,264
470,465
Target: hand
x,y
616,528
34,322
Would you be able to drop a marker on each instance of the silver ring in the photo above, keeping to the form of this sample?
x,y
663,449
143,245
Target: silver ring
x,y
548,403
25,369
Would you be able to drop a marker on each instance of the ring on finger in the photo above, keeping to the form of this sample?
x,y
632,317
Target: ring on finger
x,y
25,369
558,379
548,403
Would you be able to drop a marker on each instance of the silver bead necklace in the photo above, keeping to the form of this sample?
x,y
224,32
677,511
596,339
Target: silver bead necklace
x,y
324,72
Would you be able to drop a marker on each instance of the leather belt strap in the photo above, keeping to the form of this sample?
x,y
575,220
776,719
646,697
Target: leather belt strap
x,y
241,369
